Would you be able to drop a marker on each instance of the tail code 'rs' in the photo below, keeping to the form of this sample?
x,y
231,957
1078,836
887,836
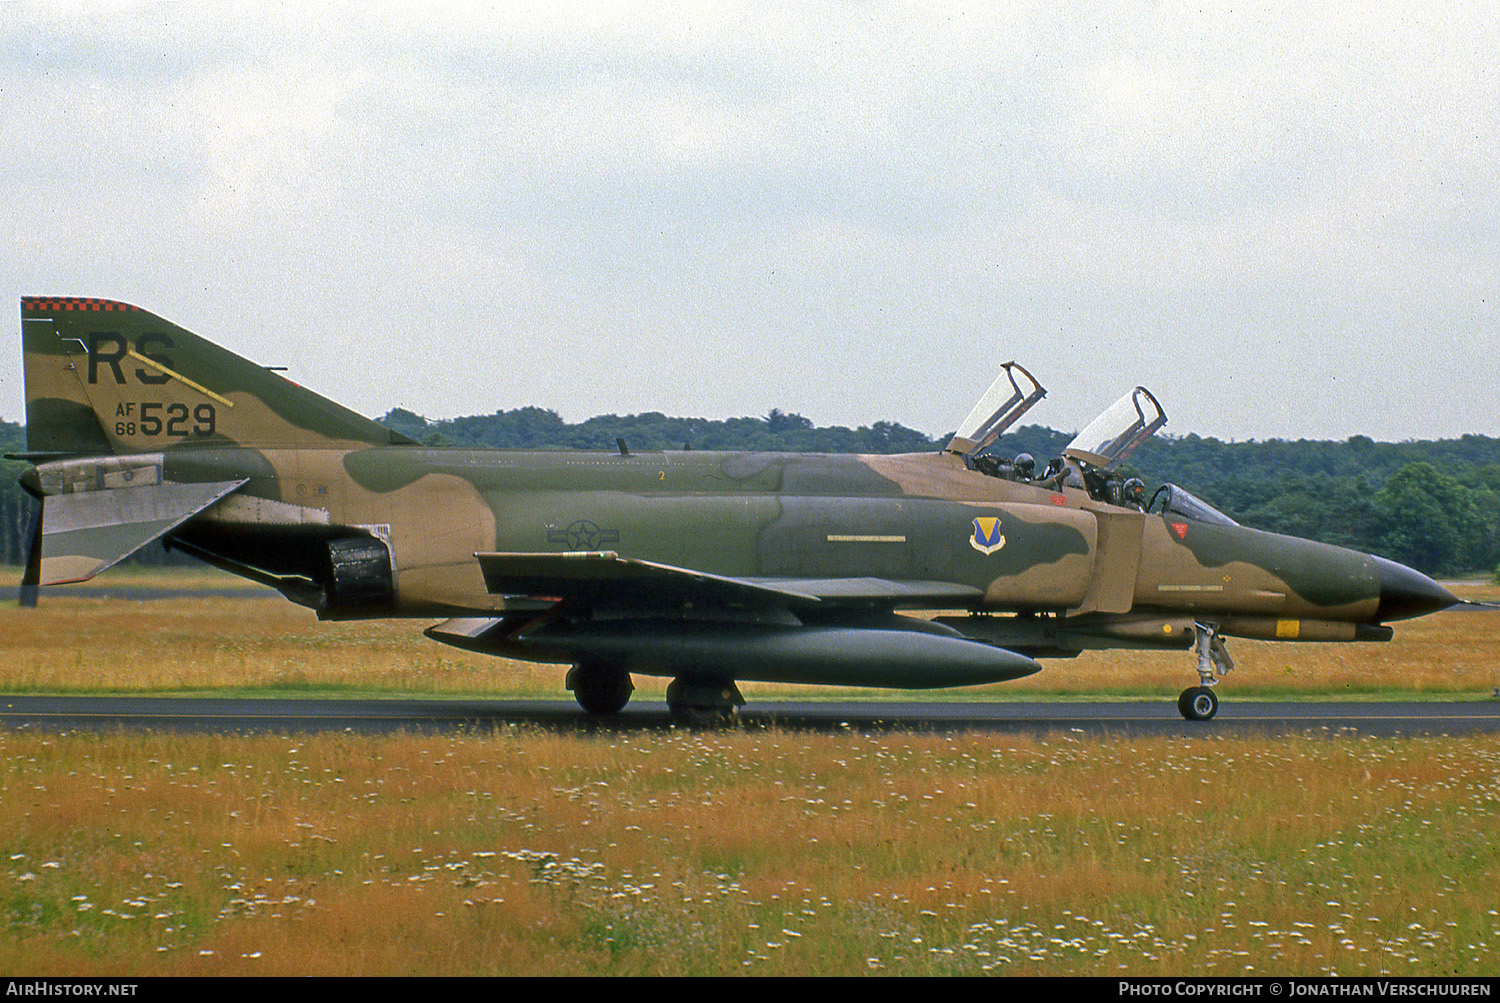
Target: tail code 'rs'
x,y
107,377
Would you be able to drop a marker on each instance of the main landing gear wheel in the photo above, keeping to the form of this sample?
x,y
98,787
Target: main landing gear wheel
x,y
600,689
704,703
1198,703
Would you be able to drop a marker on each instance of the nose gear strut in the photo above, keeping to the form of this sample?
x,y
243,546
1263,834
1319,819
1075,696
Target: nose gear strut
x,y
1199,703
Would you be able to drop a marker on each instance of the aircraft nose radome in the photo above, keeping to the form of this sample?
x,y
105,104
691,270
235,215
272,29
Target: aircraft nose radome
x,y
1407,593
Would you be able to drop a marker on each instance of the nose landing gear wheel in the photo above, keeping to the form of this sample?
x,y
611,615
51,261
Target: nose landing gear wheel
x,y
1198,703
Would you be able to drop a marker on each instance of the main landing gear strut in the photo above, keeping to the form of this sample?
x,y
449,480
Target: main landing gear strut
x,y
700,701
704,701
1199,703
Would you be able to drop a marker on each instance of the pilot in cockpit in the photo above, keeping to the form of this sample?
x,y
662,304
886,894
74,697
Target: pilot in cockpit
x,y
1089,462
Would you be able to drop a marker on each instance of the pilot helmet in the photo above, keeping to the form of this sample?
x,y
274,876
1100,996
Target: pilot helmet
x,y
1134,490
1025,464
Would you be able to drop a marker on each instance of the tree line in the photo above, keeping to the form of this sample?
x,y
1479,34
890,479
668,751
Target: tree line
x,y
1434,505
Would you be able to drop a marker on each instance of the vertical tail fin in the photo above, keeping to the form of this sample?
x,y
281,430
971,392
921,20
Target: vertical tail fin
x,y
106,377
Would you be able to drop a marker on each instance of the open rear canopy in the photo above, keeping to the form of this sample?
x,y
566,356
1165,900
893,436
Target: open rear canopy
x,y
1116,433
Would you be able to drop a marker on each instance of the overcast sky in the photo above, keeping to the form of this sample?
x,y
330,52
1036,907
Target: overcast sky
x,y
1284,219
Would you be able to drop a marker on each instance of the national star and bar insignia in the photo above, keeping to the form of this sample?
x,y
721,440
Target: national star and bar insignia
x,y
583,534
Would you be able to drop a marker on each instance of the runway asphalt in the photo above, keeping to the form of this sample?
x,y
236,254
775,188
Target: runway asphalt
x,y
253,715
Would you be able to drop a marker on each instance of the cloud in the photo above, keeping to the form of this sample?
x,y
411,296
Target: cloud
x,y
853,211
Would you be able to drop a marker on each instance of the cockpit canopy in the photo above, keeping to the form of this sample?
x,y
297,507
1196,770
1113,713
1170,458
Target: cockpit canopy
x,y
992,415
1088,462
1119,431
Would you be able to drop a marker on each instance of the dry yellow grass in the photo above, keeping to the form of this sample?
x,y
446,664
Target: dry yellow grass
x,y
198,644
526,852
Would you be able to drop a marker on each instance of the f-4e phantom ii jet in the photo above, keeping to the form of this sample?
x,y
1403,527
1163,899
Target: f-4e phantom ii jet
x,y
703,567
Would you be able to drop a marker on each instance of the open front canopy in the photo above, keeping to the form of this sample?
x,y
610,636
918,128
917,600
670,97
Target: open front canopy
x,y
1002,404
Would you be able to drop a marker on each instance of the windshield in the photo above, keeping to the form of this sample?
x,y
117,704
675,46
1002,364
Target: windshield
x,y
1173,500
1116,433
1003,403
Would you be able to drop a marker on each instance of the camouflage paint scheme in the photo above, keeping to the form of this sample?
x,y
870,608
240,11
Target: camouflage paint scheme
x,y
704,566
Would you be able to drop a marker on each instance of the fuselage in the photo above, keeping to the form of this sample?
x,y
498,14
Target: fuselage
x,y
913,517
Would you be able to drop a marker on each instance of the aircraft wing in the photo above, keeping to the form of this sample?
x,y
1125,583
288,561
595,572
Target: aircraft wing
x,y
593,576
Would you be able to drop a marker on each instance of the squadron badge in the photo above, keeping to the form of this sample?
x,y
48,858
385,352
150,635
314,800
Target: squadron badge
x,y
987,538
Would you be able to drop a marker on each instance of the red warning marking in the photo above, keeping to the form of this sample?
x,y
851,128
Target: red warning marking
x,y
54,304
1059,499
1180,528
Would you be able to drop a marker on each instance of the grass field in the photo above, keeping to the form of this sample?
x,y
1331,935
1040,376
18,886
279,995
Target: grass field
x,y
522,851
526,852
